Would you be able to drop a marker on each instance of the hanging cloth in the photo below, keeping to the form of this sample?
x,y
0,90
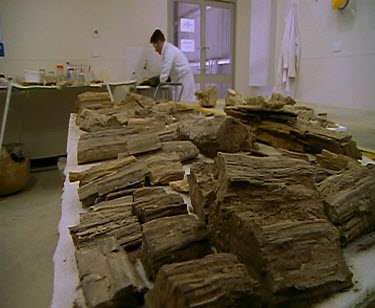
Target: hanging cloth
x,y
290,54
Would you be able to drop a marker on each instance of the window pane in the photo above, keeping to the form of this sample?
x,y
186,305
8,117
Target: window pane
x,y
218,36
187,32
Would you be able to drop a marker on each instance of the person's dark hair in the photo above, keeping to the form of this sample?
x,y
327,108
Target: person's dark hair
x,y
157,36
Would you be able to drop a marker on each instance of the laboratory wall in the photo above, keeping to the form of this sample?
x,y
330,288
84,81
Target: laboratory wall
x,y
338,53
44,33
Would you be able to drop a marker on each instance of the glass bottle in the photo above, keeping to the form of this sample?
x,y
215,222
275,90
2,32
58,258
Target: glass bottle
x,y
60,73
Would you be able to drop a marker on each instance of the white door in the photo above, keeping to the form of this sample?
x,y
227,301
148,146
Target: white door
x,y
204,31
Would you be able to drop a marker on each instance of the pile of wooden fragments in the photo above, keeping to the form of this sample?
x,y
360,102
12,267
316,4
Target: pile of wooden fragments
x,y
274,194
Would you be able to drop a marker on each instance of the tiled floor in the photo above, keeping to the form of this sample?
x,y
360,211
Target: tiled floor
x,y
28,238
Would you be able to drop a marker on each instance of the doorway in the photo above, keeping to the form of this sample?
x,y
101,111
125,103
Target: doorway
x,y
204,31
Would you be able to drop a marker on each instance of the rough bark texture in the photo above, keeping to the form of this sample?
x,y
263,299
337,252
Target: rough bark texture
x,y
217,280
233,136
207,97
129,176
93,100
103,145
172,239
109,218
143,143
269,213
281,129
336,162
100,170
164,168
154,202
350,201
93,120
202,187
108,278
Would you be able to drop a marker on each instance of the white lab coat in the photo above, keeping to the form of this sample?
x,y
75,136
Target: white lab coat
x,y
290,54
176,65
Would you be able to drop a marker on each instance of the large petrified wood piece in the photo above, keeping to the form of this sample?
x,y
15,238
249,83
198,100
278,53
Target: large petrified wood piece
x,y
217,280
202,188
207,97
108,278
92,100
282,129
233,136
143,143
109,143
130,175
185,149
94,120
109,218
163,168
172,239
349,200
270,214
154,202
103,145
202,132
100,170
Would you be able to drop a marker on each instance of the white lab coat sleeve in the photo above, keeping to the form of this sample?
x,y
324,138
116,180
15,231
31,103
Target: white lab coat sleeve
x,y
168,56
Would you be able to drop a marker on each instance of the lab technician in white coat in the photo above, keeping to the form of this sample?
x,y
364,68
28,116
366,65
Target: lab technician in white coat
x,y
175,65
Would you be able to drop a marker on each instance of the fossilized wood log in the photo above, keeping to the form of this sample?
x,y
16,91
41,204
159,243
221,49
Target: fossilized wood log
x,y
202,186
172,239
257,114
181,186
100,170
207,97
92,100
280,128
147,123
233,136
350,201
163,168
130,176
270,214
143,143
141,100
277,174
185,149
93,120
103,145
109,218
168,134
202,132
107,277
297,262
336,162
217,280
154,202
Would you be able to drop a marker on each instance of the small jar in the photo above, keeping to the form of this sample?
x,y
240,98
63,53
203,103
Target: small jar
x,y
60,76
51,77
43,76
